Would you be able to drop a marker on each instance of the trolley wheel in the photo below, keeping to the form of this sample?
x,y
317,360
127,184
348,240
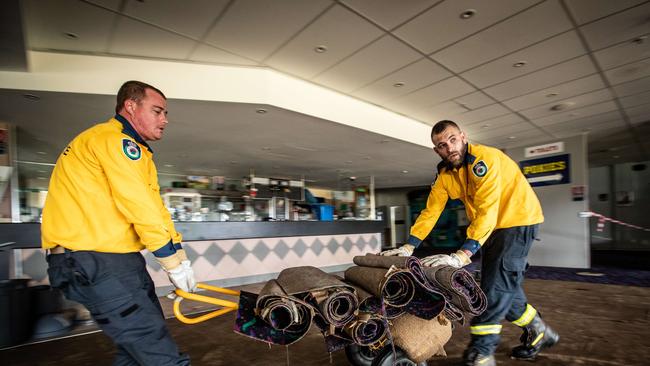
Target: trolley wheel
x,y
360,355
385,358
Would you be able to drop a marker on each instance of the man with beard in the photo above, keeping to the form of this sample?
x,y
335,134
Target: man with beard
x,y
505,215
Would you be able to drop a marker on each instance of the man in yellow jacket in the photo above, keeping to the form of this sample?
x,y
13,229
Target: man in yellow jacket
x,y
103,207
505,215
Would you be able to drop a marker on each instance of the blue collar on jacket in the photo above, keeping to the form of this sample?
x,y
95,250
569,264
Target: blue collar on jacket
x,y
128,129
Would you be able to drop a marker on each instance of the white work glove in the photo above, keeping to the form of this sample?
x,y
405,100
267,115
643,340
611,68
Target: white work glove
x,y
405,250
457,260
182,277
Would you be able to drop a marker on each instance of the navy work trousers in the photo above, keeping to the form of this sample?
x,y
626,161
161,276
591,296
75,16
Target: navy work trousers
x,y
120,295
504,261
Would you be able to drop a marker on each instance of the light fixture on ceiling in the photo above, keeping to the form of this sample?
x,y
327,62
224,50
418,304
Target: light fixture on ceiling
x,y
266,148
384,141
519,64
261,110
398,84
561,106
320,49
551,95
32,97
639,40
485,126
41,153
70,35
232,162
348,162
169,165
512,137
405,171
467,14
41,178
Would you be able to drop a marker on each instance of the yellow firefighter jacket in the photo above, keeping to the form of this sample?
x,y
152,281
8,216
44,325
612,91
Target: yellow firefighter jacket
x,y
104,195
495,193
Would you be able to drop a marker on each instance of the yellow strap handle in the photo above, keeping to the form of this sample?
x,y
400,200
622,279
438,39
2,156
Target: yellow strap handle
x,y
227,306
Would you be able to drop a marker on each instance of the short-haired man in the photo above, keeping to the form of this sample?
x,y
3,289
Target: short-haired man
x,y
505,215
103,207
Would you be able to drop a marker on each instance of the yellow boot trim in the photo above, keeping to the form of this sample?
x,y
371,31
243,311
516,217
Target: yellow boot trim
x,y
486,329
526,317
539,338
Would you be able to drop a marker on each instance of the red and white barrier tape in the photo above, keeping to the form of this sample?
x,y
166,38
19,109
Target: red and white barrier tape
x,y
601,221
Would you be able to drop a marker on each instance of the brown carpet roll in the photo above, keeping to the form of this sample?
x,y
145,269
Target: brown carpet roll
x,y
421,339
459,288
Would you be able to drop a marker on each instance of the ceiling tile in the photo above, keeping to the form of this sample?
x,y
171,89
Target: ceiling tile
x,y
629,72
414,76
542,79
600,121
389,13
540,22
632,87
443,110
587,10
640,119
340,30
442,25
575,87
507,130
622,53
572,103
618,28
636,99
255,29
591,129
382,57
481,114
576,113
501,121
191,18
49,21
565,46
150,42
205,53
434,94
515,139
639,110
474,100
110,4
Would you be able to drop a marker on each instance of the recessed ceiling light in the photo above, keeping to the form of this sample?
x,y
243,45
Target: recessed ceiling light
x,y
232,162
266,148
384,141
40,171
519,64
405,171
41,153
320,49
261,110
348,162
639,40
551,95
41,178
31,97
169,165
467,14
561,106
512,137
485,126
70,35
398,85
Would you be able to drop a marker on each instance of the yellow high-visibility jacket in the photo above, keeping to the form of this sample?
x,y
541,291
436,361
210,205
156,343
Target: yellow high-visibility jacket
x,y
495,193
104,195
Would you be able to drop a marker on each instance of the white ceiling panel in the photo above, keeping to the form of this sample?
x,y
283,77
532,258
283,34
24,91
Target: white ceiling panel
x,y
389,13
576,113
501,121
543,79
632,87
442,25
481,114
414,76
639,110
618,28
565,46
591,129
636,99
540,22
517,139
443,111
622,53
629,72
340,30
380,58
508,130
255,29
49,21
174,14
474,100
557,92
611,119
588,10
205,53
151,41
434,94
571,103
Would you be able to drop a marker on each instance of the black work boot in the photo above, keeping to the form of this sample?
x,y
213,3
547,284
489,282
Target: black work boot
x,y
537,336
472,357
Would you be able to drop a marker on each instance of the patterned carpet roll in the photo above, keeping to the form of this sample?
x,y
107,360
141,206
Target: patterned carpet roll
x,y
459,288
366,329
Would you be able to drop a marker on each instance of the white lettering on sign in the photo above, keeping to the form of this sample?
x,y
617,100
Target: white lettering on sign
x,y
545,149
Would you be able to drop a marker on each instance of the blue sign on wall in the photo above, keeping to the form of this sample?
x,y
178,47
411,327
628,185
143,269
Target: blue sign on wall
x,y
547,171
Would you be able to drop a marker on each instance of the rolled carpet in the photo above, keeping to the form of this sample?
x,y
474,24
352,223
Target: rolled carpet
x,y
459,288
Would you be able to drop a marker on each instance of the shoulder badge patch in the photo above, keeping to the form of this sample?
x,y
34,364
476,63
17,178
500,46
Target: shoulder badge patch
x,y
480,169
131,149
